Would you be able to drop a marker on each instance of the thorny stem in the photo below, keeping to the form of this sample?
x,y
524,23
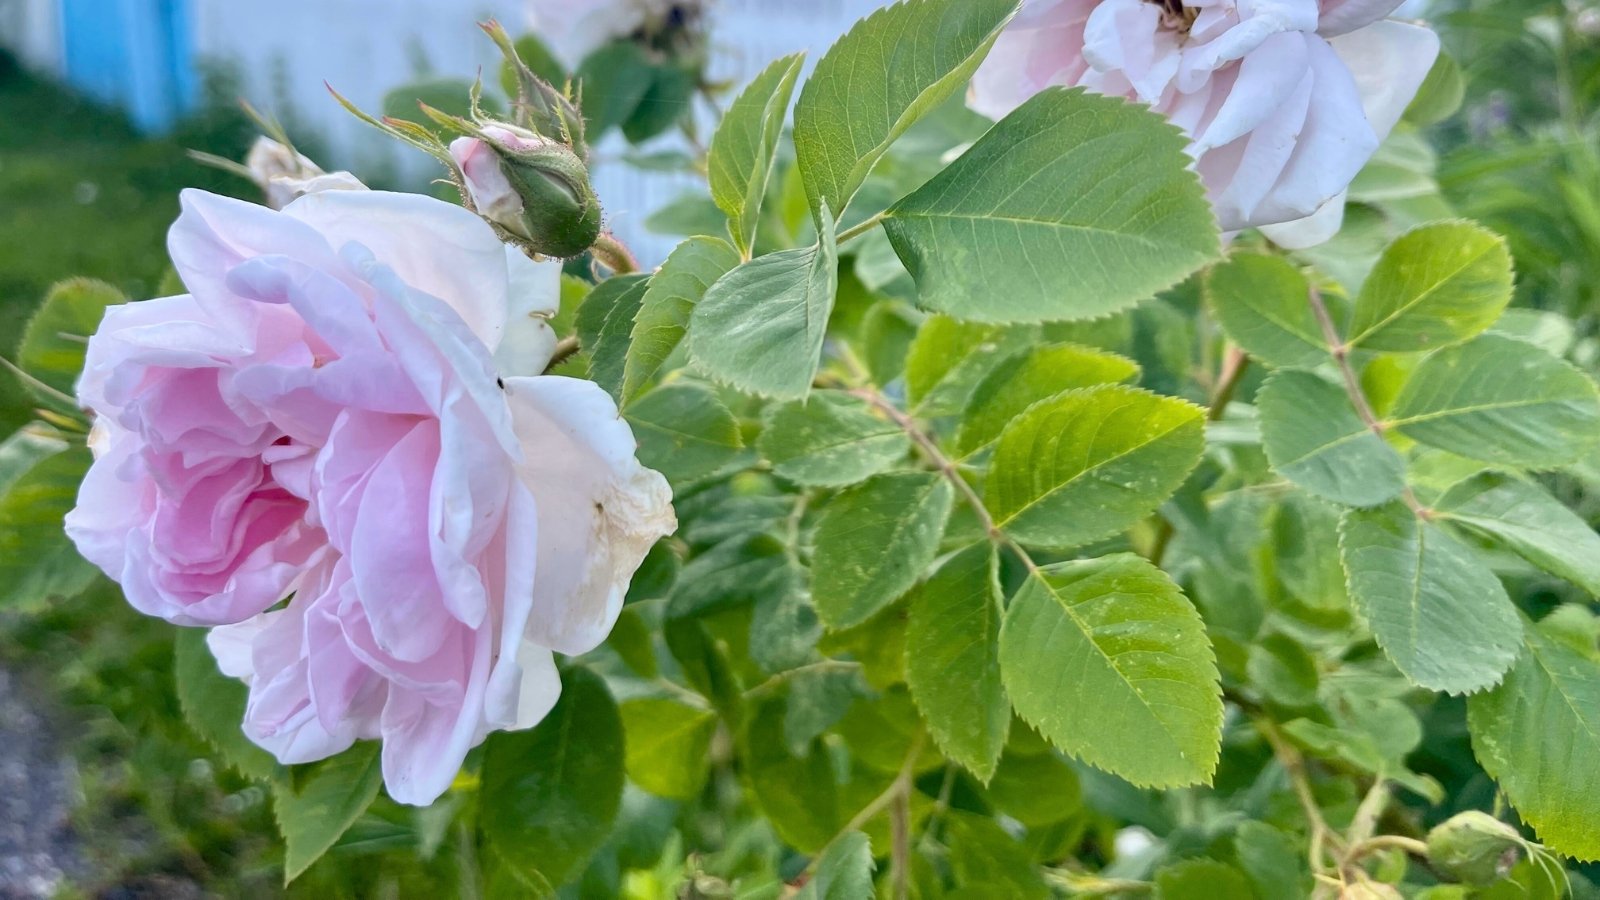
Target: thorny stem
x,y
614,254
1295,766
1365,848
900,846
900,786
948,468
1352,386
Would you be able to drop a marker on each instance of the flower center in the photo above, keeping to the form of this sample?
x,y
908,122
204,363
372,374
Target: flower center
x,y
1175,15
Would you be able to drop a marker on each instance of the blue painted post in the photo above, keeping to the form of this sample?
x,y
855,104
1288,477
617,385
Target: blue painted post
x,y
134,54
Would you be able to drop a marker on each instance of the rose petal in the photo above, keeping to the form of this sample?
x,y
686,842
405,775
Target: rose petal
x,y
599,510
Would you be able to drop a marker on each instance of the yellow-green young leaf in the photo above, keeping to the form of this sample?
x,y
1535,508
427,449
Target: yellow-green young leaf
x,y
550,794
684,431
745,147
1024,379
1086,464
890,70
37,561
663,316
1538,734
948,359
1525,518
315,808
1433,606
1263,303
56,337
1072,207
213,705
1500,400
1314,438
760,327
844,872
667,744
873,541
953,659
1436,285
1110,662
605,327
830,439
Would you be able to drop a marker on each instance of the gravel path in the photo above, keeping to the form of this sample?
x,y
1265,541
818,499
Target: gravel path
x,y
38,851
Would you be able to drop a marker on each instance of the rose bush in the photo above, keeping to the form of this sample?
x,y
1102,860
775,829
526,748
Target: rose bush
x,y
324,416
1284,100
1032,538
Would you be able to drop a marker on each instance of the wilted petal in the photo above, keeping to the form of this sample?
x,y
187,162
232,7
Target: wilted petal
x,y
599,510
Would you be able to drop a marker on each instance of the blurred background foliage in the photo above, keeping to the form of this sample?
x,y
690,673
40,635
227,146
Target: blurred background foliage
x,y
82,193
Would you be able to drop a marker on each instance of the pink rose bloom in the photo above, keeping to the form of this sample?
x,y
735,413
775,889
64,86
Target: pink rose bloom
x,y
1284,100
323,418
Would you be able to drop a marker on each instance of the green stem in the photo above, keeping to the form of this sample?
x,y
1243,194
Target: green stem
x,y
850,234
1352,386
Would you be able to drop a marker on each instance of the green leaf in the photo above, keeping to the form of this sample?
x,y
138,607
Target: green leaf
x,y
745,146
666,101
313,810
550,794
1263,303
1434,608
784,628
1024,379
760,327
663,316
1440,95
873,541
1314,438
25,448
613,81
733,572
1036,789
830,439
1089,463
953,659
948,359
844,872
1525,518
38,562
54,341
1110,662
213,705
1072,207
798,792
668,742
605,327
1538,734
1502,401
890,70
684,431
1201,879
1436,285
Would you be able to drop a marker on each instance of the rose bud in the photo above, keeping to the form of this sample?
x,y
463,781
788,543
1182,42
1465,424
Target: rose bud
x,y
285,175
1474,848
534,188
